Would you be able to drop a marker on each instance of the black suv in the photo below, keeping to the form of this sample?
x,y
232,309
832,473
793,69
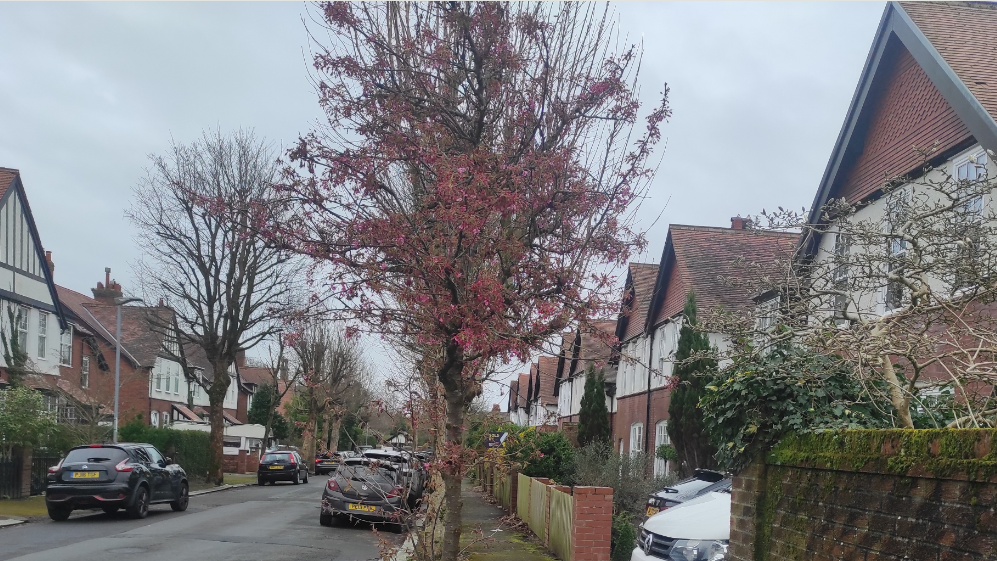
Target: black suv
x,y
282,465
113,476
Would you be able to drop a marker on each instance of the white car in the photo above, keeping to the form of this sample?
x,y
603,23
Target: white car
x,y
696,530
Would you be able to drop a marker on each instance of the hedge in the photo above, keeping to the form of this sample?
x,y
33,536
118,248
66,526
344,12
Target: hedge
x,y
189,448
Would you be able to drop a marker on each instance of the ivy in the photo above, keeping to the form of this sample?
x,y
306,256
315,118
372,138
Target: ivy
x,y
748,409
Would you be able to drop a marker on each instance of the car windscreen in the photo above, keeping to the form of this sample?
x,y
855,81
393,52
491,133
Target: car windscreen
x,y
101,455
368,474
283,457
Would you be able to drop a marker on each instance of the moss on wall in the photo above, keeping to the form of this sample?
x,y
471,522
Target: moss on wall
x,y
949,453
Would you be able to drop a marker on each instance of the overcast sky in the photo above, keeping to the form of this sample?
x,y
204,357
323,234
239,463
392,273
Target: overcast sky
x,y
89,90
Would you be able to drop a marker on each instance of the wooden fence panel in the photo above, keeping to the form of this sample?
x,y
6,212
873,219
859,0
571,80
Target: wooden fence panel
x,y
523,498
561,522
539,505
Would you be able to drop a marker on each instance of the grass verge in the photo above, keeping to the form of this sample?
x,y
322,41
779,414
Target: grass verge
x,y
23,508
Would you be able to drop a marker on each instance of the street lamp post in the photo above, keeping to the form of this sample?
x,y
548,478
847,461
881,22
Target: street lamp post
x,y
118,303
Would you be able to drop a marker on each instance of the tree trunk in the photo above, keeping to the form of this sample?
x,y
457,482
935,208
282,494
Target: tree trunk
x,y
900,401
334,424
453,475
308,435
216,398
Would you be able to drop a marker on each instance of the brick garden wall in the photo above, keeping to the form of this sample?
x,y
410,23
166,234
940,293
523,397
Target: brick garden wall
x,y
870,496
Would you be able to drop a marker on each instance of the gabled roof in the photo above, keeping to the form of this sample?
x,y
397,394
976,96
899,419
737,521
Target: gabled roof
x,y
546,375
596,345
524,386
513,395
139,340
952,43
11,185
565,357
637,292
710,261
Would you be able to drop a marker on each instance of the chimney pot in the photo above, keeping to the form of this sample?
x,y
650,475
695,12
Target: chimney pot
x,y
107,276
48,261
738,223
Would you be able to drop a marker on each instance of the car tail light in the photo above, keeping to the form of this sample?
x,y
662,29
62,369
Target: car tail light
x,y
332,485
396,492
96,445
293,462
57,467
123,466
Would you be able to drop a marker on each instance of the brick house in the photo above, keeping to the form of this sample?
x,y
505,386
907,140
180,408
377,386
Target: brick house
x,y
592,346
540,399
697,259
518,389
926,83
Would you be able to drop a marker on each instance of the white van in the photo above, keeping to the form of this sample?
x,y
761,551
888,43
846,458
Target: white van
x,y
696,530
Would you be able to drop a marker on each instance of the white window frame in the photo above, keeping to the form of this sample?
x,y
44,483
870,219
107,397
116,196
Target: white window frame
x,y
66,357
158,375
972,161
22,326
661,467
636,438
154,419
85,372
42,333
176,380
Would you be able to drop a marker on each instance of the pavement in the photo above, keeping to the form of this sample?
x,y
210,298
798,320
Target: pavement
x,y
242,523
488,536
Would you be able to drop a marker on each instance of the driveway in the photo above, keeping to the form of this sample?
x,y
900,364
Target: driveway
x,y
244,524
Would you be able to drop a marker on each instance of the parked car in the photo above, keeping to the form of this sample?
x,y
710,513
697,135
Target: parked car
x,y
115,476
682,491
365,490
411,469
285,465
696,530
328,462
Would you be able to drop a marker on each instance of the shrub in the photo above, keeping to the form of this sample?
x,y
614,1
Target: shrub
x,y
189,448
554,458
623,537
788,390
599,465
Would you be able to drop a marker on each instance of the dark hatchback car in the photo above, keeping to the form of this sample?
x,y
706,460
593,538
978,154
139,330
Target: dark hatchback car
x,y
281,465
329,462
115,476
365,491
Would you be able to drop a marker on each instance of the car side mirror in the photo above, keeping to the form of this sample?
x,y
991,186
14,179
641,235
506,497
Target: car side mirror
x,y
163,463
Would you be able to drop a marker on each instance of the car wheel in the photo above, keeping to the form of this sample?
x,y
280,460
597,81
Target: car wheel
x,y
297,477
396,528
306,477
182,501
260,481
325,519
59,513
140,509
110,509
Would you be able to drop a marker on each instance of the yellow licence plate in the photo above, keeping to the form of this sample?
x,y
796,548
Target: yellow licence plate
x,y
362,508
651,511
276,467
86,474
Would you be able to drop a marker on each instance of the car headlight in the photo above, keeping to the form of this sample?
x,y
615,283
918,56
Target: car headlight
x,y
699,550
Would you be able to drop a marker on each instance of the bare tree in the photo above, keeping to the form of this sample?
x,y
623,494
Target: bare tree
x,y
332,365
902,289
198,212
283,379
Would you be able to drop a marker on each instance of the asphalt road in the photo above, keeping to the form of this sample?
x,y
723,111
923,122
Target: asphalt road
x,y
244,524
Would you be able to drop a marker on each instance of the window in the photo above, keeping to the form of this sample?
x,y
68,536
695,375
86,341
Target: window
x,y
636,437
52,403
896,249
164,417
42,332
176,379
155,418
972,168
969,223
839,274
154,454
22,326
85,372
660,438
68,415
768,314
159,375
66,347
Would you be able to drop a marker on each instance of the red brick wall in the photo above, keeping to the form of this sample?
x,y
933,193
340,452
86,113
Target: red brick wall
x,y
633,409
908,111
833,510
242,406
134,391
675,293
593,518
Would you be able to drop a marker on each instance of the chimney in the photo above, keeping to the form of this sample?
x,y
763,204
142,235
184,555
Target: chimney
x,y
496,408
51,265
107,292
738,223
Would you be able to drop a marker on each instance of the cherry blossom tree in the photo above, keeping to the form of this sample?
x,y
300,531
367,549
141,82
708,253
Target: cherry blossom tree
x,y
474,186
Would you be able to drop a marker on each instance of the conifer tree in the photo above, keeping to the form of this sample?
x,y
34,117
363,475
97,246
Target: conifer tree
x,y
693,371
593,416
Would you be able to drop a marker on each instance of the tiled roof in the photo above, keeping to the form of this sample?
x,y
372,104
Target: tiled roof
x,y
230,418
255,375
73,302
597,341
141,340
637,295
524,381
7,176
963,34
711,261
547,371
513,395
183,410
